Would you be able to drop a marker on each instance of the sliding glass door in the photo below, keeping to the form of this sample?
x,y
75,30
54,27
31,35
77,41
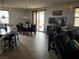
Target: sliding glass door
x,y
40,21
38,18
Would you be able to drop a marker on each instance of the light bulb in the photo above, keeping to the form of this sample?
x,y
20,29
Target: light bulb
x,y
3,17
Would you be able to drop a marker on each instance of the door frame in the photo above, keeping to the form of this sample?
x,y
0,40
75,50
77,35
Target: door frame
x,y
36,17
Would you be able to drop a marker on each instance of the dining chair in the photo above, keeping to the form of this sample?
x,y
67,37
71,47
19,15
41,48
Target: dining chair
x,y
10,40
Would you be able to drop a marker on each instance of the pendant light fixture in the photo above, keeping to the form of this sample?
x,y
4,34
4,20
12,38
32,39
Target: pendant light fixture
x,y
25,16
3,16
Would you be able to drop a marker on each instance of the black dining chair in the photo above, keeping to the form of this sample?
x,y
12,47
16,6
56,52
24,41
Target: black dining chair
x,y
18,28
10,40
32,28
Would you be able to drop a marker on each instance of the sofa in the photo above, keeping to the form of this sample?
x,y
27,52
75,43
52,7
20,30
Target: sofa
x,y
66,48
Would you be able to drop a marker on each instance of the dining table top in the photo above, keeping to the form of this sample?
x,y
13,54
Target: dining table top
x,y
4,31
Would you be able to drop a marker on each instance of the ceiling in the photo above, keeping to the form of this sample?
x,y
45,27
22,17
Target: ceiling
x,y
29,4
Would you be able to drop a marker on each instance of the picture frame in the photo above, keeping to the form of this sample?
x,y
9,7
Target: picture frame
x,y
57,13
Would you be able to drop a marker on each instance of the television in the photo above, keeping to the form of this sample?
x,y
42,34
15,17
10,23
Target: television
x,y
52,20
57,20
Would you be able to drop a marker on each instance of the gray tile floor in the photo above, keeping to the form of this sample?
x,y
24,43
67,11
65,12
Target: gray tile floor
x,y
31,47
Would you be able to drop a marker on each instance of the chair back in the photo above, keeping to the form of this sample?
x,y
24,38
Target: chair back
x,y
18,28
61,41
58,29
33,26
71,34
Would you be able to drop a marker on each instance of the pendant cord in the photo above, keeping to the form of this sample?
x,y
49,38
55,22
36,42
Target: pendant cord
x,y
2,4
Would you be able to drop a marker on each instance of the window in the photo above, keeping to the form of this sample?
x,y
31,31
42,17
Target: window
x,y
6,14
76,22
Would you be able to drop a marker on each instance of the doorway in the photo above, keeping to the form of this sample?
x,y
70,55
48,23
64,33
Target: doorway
x,y
38,19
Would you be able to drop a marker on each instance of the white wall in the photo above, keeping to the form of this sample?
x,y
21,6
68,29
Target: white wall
x,y
68,15
16,15
50,9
